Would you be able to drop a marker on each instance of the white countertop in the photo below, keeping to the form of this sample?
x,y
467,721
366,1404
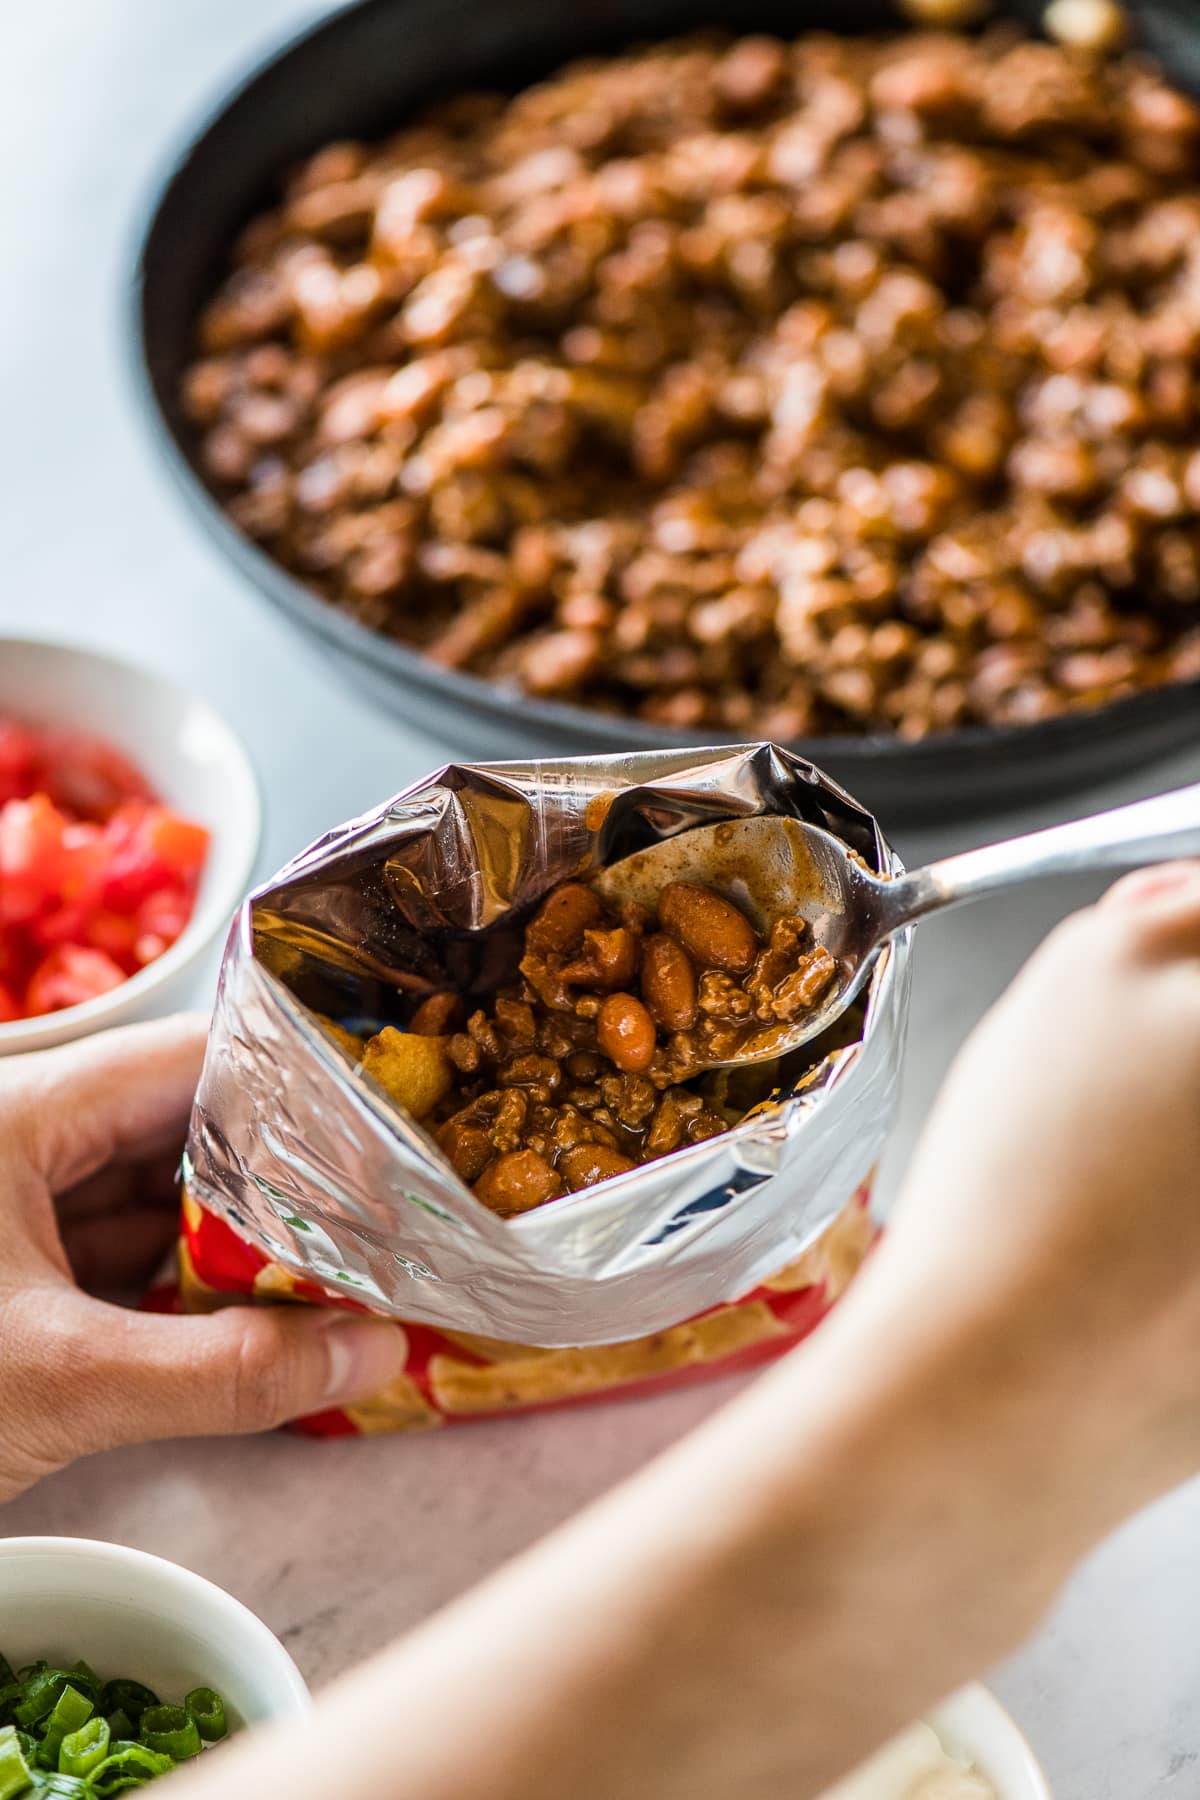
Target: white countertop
x,y
340,1545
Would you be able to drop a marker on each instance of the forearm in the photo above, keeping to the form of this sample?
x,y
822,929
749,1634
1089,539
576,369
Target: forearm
x,y
846,1543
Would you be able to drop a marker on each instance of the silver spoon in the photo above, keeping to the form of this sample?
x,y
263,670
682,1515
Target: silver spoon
x,y
772,867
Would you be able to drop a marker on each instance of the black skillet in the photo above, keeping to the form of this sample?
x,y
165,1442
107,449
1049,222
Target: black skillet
x,y
356,74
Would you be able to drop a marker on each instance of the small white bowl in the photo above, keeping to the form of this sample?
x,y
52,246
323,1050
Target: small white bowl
x,y
134,1615
189,754
975,1728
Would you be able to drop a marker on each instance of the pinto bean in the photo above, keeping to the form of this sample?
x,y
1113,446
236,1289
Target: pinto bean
x,y
563,917
715,933
668,983
625,1032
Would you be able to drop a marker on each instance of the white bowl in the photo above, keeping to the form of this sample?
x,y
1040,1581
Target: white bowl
x,y
130,1614
189,754
975,1728
975,1731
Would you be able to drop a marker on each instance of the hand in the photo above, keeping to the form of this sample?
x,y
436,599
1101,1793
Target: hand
x,y
1050,1222
90,1137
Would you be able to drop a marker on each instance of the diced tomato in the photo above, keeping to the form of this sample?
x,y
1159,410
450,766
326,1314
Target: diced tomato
x,y
84,860
20,902
135,869
151,848
166,912
117,935
18,761
60,925
31,840
97,876
14,959
69,975
31,857
179,844
87,778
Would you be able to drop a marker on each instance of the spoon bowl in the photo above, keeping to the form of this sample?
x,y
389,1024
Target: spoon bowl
x,y
770,868
774,867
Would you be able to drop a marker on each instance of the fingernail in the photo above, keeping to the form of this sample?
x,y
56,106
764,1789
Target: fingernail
x,y
1152,884
365,1355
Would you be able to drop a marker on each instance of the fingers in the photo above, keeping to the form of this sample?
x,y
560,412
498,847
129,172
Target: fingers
x,y
1173,885
122,1094
96,1376
1150,918
1156,914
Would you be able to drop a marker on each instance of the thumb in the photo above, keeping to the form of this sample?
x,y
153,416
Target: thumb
x,y
119,1094
138,1376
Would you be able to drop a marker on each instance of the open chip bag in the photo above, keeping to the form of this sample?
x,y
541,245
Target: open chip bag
x,y
329,1154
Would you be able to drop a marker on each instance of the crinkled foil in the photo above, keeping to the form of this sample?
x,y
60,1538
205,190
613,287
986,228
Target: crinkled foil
x,y
308,1160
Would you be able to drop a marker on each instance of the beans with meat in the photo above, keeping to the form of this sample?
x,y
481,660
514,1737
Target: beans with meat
x,y
768,388
594,1060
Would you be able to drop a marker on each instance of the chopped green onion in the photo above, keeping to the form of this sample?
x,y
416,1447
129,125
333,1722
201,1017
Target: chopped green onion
x,y
129,1765
15,1776
84,1750
172,1731
129,1697
66,1737
41,1695
71,1710
208,1709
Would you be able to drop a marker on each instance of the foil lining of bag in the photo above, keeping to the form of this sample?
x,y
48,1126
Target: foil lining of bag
x,y
306,1159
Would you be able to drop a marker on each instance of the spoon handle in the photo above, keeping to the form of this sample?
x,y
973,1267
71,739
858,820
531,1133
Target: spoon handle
x,y
1155,830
